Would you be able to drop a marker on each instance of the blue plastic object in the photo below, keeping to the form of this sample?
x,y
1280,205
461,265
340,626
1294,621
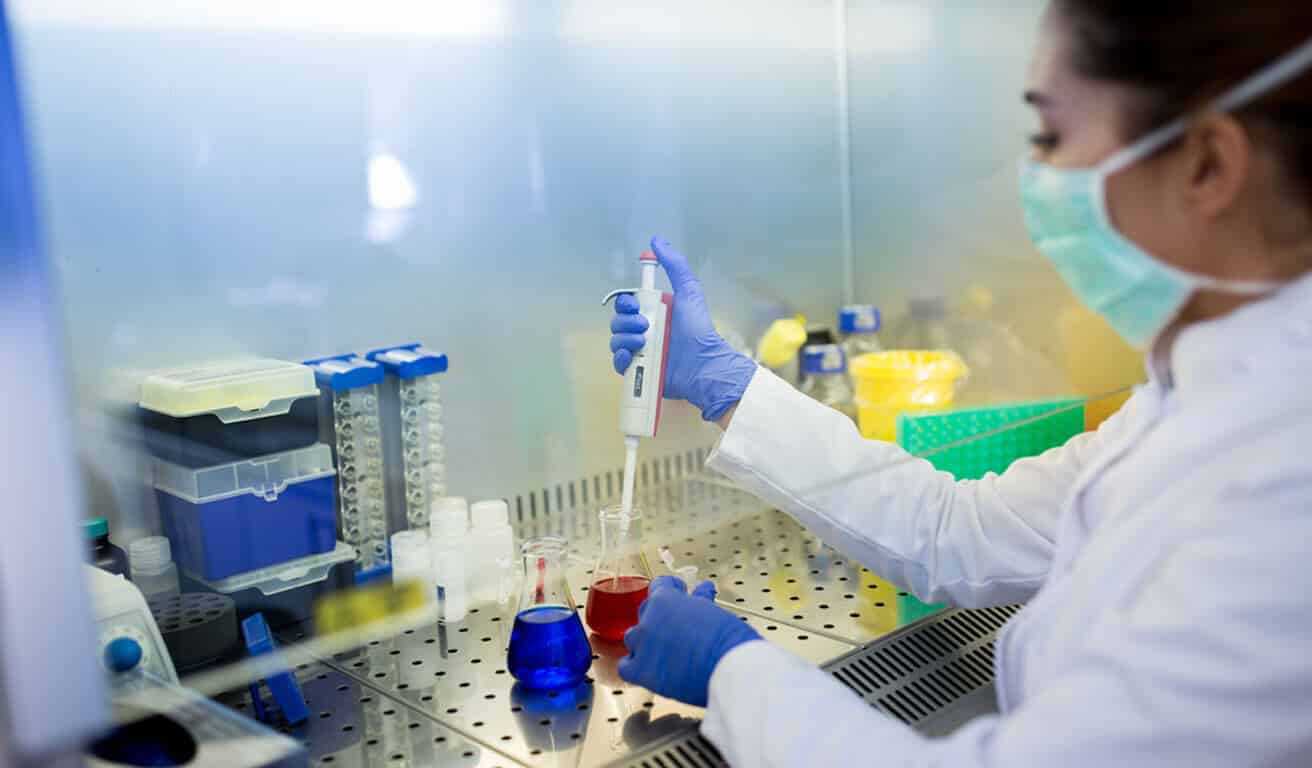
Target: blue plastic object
x,y
345,372
418,361
286,691
548,648
679,640
122,654
823,358
257,700
859,318
217,539
379,574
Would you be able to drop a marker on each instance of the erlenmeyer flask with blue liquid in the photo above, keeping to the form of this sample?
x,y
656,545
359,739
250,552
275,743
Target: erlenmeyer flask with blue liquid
x,y
548,647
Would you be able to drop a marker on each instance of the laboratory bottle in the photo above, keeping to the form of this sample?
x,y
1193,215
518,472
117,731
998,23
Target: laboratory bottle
x,y
621,575
153,571
824,377
449,536
859,325
548,647
924,326
1003,367
412,560
102,552
493,550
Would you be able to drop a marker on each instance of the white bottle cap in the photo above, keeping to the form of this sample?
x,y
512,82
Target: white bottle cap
x,y
449,516
410,555
150,554
492,513
407,543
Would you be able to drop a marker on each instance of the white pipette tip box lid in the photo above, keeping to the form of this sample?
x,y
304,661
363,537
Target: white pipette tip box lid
x,y
233,390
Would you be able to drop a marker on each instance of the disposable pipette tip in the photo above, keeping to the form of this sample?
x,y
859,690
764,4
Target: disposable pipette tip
x,y
667,557
630,469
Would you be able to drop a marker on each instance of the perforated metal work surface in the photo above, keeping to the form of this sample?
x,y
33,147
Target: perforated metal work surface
x,y
457,675
768,565
354,725
441,695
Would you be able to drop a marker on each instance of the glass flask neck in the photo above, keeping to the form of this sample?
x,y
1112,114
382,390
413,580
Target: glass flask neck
x,y
621,545
618,530
544,580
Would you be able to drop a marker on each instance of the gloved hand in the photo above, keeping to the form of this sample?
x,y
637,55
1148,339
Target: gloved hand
x,y
702,369
679,639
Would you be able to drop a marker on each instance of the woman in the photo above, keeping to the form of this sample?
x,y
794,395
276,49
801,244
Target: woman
x,y
1163,558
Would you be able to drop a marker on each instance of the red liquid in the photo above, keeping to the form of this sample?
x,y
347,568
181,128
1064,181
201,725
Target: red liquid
x,y
613,605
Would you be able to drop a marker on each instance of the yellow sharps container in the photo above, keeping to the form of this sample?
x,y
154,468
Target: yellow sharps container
x,y
903,381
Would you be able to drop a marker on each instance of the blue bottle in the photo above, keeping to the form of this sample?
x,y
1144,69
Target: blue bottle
x,y
548,648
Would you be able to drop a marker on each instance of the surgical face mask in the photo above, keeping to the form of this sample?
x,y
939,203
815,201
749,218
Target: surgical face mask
x,y
1066,215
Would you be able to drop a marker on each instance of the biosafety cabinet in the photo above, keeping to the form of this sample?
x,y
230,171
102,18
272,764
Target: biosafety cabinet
x,y
314,270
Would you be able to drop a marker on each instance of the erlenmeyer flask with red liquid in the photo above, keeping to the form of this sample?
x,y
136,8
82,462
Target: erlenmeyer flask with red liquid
x,y
621,576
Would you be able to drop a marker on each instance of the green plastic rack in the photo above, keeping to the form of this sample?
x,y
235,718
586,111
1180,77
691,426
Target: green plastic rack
x,y
1021,430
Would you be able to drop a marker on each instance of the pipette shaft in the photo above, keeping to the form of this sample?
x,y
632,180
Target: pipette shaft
x,y
630,469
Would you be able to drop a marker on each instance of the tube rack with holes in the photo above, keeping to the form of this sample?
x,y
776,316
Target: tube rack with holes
x,y
349,387
413,431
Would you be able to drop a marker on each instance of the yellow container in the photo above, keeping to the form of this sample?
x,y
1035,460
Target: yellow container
x,y
903,381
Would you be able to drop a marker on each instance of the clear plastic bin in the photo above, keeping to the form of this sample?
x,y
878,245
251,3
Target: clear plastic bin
x,y
251,514
284,593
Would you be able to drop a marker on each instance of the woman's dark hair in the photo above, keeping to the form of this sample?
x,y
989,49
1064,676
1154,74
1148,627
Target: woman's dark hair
x,y
1182,53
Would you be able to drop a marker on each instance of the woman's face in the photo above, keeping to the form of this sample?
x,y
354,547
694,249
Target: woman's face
x,y
1082,122
1214,203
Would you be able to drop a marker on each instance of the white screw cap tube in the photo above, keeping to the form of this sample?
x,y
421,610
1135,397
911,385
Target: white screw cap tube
x,y
449,526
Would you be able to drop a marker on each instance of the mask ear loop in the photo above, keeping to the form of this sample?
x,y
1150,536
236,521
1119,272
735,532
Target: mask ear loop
x,y
1270,78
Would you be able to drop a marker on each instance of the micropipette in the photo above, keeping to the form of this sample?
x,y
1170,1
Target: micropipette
x,y
644,381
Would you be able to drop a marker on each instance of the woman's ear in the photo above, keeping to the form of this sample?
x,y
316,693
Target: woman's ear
x,y
1219,154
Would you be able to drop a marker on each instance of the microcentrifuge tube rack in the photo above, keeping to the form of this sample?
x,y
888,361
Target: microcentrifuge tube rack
x,y
422,448
353,383
423,454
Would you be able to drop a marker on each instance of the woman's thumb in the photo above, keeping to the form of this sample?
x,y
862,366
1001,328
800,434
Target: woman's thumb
x,y
675,266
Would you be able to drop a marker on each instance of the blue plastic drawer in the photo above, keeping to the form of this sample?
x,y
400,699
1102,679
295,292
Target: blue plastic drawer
x,y
246,515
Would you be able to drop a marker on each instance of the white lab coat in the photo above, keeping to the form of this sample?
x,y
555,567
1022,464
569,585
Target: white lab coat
x,y
1166,560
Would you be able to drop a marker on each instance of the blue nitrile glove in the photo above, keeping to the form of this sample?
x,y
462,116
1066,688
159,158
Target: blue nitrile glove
x,y
702,369
679,639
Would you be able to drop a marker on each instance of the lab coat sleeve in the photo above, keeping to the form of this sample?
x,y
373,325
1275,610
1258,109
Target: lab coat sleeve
x,y
971,543
1208,666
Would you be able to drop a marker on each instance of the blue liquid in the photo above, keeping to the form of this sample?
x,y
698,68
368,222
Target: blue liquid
x,y
548,648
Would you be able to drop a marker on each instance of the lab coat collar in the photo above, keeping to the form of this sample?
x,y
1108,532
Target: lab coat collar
x,y
1276,330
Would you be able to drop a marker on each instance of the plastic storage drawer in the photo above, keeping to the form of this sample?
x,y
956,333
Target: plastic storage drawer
x,y
284,593
251,514
206,414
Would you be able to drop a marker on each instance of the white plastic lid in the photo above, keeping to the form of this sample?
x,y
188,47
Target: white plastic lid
x,y
284,576
410,551
233,390
449,515
149,554
490,513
